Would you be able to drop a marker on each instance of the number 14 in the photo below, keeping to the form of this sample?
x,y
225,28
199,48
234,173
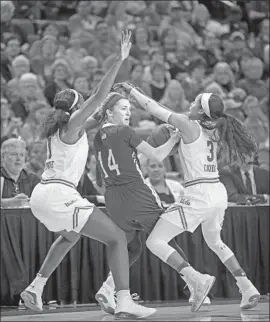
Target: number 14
x,y
112,165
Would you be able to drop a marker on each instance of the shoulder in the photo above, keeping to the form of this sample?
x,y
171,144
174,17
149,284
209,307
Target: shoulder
x,y
174,184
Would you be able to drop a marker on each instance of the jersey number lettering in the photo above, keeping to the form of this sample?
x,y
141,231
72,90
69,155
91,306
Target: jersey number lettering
x,y
112,165
210,157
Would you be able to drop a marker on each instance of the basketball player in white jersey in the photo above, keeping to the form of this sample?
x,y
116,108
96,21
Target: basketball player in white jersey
x,y
204,202
57,204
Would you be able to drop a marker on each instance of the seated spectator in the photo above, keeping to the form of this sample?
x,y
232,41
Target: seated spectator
x,y
238,46
89,66
223,76
168,41
137,78
83,20
252,83
9,27
158,82
36,157
12,48
141,49
245,180
262,38
10,125
104,43
48,29
97,77
75,53
17,184
30,92
174,97
234,103
37,113
61,79
255,121
13,91
169,191
42,63
193,84
81,85
20,65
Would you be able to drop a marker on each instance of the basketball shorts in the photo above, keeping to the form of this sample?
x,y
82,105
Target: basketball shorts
x,y
134,206
200,203
60,207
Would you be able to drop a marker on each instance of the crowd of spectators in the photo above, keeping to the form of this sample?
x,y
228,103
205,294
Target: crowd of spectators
x,y
180,48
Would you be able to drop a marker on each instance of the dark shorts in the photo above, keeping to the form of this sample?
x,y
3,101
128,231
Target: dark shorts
x,y
133,206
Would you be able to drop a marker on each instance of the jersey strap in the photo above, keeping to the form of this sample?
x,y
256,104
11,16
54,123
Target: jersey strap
x,y
64,182
200,180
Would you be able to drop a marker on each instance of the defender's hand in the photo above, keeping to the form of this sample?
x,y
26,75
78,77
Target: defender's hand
x,y
125,44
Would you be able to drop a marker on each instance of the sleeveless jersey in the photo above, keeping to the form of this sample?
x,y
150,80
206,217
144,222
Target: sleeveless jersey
x,y
199,159
115,148
65,161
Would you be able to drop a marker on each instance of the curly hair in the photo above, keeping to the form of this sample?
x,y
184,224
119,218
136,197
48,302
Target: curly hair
x,y
232,137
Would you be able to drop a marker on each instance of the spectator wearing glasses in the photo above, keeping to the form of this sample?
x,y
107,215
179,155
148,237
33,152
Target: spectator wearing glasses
x,y
16,183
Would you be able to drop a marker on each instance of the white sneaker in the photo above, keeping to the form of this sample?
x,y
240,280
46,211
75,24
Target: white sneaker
x,y
129,309
32,298
250,297
206,301
106,299
202,285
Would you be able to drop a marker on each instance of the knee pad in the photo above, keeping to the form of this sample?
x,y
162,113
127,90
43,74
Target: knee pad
x,y
222,250
159,247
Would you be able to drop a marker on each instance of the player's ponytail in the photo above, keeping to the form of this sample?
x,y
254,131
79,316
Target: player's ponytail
x,y
235,141
53,122
64,102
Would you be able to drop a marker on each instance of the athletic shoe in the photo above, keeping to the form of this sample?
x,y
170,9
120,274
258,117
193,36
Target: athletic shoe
x,y
105,298
206,301
202,285
32,298
127,308
250,297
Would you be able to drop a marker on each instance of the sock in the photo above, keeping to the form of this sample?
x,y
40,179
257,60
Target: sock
x,y
123,294
176,261
109,281
39,282
188,271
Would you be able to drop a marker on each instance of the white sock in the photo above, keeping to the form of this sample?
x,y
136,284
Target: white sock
x,y
243,282
39,282
109,281
123,294
189,272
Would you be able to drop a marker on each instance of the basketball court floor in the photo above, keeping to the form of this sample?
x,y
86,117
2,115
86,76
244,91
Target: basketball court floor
x,y
218,311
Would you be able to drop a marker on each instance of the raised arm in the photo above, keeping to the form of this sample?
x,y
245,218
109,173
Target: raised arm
x,y
189,129
79,118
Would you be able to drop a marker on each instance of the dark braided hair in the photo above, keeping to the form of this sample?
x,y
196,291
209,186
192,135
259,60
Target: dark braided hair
x,y
63,100
231,134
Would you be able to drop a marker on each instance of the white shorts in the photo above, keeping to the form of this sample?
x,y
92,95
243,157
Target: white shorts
x,y
199,204
60,207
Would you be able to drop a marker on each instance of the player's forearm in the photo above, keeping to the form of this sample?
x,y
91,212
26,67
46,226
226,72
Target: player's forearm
x,y
107,81
151,106
164,150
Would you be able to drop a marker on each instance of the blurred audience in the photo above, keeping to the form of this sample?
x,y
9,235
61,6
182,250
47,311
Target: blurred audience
x,y
180,48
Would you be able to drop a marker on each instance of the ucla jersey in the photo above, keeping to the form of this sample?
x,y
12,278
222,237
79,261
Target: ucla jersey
x,y
199,159
65,161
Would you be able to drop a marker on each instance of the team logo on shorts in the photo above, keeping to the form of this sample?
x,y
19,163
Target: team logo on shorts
x,y
67,204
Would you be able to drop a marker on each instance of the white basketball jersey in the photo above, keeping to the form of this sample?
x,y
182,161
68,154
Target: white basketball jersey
x,y
65,161
199,159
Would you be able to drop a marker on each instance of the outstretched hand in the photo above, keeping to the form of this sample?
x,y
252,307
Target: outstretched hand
x,y
125,44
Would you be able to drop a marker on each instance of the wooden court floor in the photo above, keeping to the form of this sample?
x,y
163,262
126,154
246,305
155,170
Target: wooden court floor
x,y
217,311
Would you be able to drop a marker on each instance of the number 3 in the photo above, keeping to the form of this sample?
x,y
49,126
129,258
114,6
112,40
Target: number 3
x,y
210,157
112,165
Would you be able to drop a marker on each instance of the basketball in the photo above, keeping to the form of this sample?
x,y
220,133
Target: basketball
x,y
161,135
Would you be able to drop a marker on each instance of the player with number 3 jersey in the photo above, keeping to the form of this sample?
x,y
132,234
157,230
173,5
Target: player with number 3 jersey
x,y
203,130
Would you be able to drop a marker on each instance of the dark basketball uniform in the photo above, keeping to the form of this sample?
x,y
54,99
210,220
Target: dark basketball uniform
x,y
132,203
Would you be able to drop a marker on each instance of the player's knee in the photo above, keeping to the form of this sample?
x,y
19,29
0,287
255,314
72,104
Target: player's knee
x,y
117,237
159,247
